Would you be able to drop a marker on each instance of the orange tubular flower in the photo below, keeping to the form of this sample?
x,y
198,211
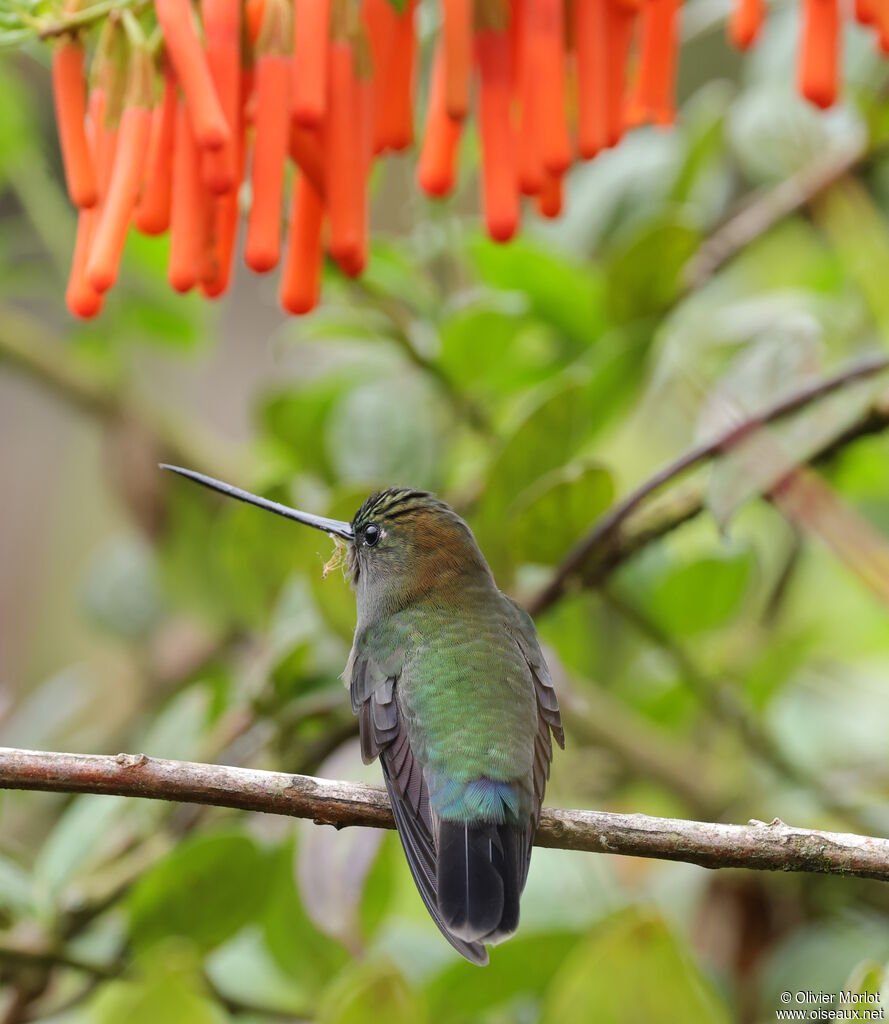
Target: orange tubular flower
x,y
152,214
746,22
436,170
104,146
301,277
530,161
874,13
654,99
310,48
220,246
222,28
225,216
190,63
69,95
819,52
343,157
499,176
126,175
307,153
881,14
272,138
457,41
591,50
549,201
81,298
546,33
187,223
380,23
396,92
365,101
311,34
620,19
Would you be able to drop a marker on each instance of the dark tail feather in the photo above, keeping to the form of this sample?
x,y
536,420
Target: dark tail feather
x,y
418,848
479,879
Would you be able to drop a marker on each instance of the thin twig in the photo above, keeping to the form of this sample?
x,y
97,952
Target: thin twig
x,y
605,527
774,847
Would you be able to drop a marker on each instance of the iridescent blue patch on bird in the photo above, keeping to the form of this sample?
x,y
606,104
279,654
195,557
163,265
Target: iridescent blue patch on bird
x,y
483,799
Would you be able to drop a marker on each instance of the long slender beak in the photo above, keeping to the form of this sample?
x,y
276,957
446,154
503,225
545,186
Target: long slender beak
x,y
331,526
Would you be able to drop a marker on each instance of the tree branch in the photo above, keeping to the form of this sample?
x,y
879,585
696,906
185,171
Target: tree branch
x,y
768,207
604,533
773,847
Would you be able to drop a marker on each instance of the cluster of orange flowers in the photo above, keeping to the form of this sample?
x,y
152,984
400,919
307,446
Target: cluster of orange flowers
x,y
161,137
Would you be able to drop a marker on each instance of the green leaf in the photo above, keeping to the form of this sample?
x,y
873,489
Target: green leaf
x,y
632,968
332,866
553,513
700,177
178,730
520,969
857,228
227,559
495,348
371,991
167,993
559,418
76,842
644,273
566,295
305,954
298,419
386,430
867,978
16,889
206,890
694,594
244,970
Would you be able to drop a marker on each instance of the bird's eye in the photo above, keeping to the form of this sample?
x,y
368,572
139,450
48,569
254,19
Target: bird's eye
x,y
371,534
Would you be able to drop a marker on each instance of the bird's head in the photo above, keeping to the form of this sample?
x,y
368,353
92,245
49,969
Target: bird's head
x,y
402,544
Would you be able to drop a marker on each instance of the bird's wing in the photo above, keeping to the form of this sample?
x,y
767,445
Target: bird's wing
x,y
383,734
549,720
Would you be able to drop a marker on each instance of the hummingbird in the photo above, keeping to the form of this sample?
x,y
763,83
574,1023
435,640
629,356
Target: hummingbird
x,y
453,696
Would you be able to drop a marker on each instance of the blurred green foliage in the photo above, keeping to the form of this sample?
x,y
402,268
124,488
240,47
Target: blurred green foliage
x,y
530,385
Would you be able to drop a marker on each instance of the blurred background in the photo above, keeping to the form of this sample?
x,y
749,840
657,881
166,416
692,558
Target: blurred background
x,y
729,662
